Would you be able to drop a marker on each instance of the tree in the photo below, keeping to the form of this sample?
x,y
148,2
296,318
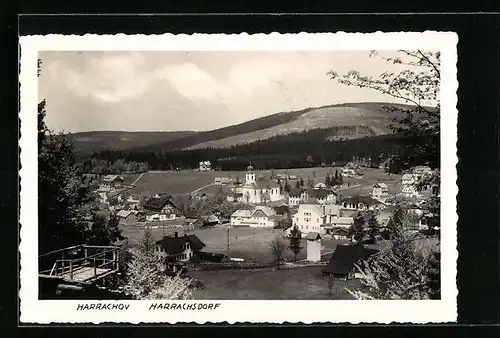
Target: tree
x,y
309,160
330,285
287,187
373,225
297,184
295,241
278,250
328,181
310,183
66,205
145,276
399,272
357,231
417,82
301,182
434,274
247,196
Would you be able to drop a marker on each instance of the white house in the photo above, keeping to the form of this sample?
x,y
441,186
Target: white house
x,y
161,209
409,182
323,196
258,190
260,217
205,166
380,191
320,186
360,203
421,170
297,196
179,248
112,182
317,218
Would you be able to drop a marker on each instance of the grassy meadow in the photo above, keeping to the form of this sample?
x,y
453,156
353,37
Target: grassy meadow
x,y
269,283
187,181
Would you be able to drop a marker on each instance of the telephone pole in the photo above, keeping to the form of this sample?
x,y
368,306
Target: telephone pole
x,y
227,238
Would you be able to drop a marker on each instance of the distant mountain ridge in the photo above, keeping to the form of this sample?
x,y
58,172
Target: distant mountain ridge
x,y
89,141
343,121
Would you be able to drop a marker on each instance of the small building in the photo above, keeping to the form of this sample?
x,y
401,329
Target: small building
x,y
343,260
292,177
205,166
112,182
260,217
297,196
127,217
380,191
161,209
179,248
323,196
360,202
421,170
209,220
313,247
339,233
320,186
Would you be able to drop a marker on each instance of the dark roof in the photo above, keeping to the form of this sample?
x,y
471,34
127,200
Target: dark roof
x,y
361,199
312,236
173,245
296,191
158,203
265,183
320,193
344,258
281,209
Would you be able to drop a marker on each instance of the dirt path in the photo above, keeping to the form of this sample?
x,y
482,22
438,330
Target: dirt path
x,y
205,186
138,178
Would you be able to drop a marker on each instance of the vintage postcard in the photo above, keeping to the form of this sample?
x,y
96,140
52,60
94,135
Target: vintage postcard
x,y
264,178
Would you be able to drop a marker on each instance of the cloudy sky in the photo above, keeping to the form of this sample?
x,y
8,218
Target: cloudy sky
x,y
162,91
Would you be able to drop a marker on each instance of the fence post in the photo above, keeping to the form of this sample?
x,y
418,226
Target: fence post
x,y
86,254
115,261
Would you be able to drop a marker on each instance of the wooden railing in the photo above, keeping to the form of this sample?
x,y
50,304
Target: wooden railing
x,y
106,257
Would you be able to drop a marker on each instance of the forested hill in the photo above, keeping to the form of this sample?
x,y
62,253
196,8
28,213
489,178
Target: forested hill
x,y
91,141
353,120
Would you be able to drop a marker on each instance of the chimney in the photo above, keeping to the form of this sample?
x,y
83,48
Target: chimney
x,y
176,234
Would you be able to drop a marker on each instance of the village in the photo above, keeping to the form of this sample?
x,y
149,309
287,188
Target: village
x,y
230,224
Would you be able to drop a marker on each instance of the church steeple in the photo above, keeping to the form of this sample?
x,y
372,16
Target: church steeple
x,y
250,176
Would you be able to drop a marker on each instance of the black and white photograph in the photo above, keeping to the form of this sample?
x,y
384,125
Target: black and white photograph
x,y
225,176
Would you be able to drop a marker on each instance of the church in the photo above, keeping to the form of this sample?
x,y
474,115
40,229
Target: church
x,y
257,190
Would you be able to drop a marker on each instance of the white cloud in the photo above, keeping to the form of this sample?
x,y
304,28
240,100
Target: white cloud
x,y
196,90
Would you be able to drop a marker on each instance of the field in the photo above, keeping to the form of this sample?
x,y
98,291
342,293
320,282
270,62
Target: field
x,y
251,244
297,283
187,181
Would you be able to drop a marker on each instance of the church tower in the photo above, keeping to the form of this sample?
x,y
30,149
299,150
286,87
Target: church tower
x,y
250,176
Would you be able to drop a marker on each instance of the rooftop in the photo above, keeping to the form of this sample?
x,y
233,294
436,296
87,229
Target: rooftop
x,y
345,256
173,244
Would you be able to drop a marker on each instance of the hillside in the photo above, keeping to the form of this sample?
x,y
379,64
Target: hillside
x,y
350,121
86,142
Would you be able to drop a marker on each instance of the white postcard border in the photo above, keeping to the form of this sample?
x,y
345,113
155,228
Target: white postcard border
x,y
240,311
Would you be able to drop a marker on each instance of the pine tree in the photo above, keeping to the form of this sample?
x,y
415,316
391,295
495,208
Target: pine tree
x,y
434,275
301,182
295,241
297,184
328,181
357,231
373,226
